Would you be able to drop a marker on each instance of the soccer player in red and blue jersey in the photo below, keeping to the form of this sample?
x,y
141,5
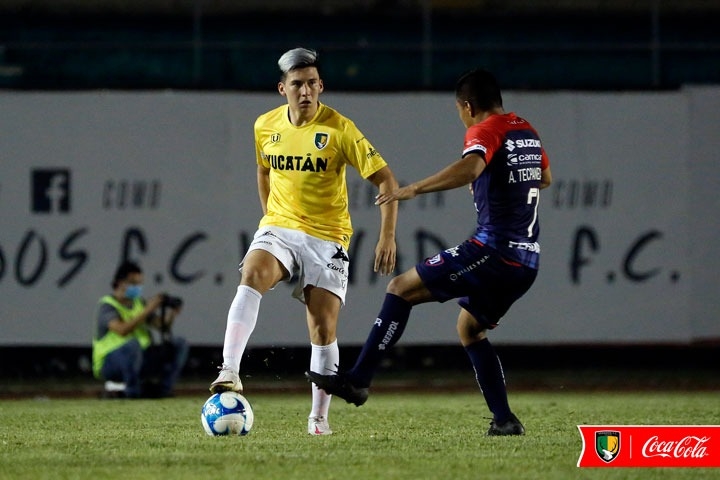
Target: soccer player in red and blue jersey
x,y
505,165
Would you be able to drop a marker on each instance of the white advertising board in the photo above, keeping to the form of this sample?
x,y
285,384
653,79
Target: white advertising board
x,y
168,179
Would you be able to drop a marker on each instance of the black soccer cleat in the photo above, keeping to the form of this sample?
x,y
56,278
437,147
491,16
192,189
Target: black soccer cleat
x,y
512,426
340,386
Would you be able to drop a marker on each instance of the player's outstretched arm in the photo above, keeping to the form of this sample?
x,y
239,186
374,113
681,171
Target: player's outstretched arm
x,y
455,175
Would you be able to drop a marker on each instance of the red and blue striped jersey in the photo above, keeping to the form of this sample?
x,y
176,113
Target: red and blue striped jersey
x,y
507,192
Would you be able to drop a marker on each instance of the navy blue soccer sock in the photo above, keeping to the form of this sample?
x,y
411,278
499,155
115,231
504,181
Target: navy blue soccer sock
x,y
490,377
385,333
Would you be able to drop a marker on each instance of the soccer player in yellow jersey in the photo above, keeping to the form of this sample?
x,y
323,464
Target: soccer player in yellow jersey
x,y
302,150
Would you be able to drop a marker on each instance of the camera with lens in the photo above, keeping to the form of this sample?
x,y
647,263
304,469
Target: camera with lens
x,y
170,301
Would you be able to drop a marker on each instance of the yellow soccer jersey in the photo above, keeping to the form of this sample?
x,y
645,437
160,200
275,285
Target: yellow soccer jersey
x,y
308,191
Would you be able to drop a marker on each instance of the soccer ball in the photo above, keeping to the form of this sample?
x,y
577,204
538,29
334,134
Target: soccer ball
x,y
227,413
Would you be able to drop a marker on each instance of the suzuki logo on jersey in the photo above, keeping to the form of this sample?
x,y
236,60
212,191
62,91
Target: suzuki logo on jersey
x,y
511,145
321,140
523,156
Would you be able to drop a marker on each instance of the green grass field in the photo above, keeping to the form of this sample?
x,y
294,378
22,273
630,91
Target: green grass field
x,y
393,436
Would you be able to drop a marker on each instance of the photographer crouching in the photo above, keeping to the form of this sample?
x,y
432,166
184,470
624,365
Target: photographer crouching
x,y
124,352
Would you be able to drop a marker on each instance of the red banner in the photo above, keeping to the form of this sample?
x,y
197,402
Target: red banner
x,y
650,446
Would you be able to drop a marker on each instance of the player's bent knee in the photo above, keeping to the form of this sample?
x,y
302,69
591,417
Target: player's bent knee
x,y
259,279
469,329
398,287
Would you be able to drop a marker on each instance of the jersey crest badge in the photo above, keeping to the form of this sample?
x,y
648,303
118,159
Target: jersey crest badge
x,y
275,137
321,140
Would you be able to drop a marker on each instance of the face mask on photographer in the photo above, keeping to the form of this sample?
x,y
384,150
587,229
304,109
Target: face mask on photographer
x,y
133,291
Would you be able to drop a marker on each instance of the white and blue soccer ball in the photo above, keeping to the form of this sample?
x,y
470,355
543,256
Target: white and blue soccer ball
x,y
227,413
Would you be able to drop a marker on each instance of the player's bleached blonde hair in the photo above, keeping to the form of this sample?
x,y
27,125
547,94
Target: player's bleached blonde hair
x,y
297,58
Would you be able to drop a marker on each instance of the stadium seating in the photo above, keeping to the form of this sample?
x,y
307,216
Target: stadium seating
x,y
366,50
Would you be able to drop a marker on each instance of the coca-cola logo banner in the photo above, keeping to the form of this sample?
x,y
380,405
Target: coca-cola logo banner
x,y
650,446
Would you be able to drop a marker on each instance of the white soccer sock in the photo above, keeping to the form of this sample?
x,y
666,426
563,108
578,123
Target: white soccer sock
x,y
241,320
323,359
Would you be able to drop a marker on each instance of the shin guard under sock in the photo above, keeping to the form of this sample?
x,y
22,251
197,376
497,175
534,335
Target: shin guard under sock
x,y
490,377
385,333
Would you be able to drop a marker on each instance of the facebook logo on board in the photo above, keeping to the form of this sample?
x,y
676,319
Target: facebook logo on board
x,y
51,190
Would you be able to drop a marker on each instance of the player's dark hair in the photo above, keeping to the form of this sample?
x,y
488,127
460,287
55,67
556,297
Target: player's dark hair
x,y
298,58
124,270
480,88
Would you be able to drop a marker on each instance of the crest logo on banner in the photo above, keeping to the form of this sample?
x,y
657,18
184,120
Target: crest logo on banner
x,y
607,445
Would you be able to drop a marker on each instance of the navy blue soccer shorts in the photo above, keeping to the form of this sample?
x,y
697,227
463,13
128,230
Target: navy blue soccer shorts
x,y
485,284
